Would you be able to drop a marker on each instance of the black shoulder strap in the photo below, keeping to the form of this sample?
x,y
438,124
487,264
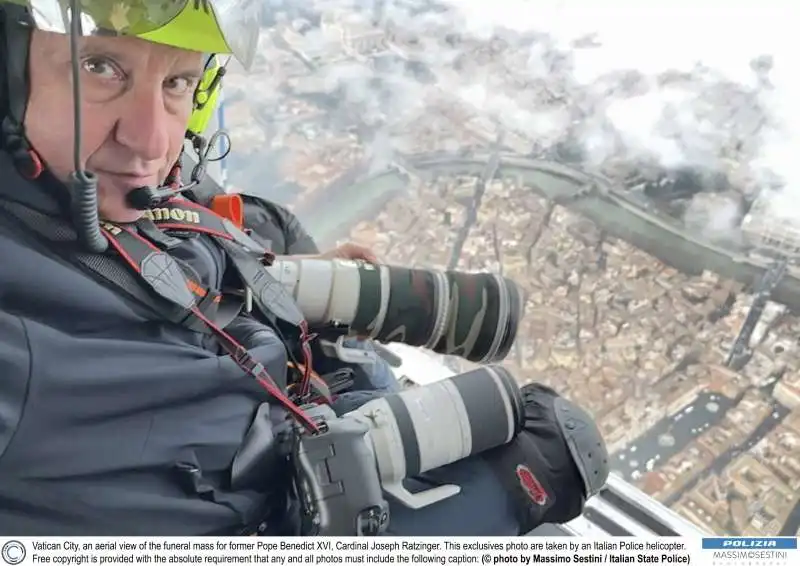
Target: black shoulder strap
x,y
185,291
162,273
248,257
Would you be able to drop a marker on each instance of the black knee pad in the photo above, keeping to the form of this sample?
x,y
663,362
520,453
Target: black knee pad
x,y
555,464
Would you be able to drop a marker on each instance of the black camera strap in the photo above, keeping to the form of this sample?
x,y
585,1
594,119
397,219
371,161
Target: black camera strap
x,y
249,258
164,276
188,302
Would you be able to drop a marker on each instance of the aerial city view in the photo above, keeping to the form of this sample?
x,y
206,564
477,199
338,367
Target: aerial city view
x,y
662,285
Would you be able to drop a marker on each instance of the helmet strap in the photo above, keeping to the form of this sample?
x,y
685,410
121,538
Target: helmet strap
x,y
15,89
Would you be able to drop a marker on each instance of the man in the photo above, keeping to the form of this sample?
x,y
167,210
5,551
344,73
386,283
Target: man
x,y
116,416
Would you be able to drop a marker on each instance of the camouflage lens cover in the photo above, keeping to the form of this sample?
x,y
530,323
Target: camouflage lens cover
x,y
471,315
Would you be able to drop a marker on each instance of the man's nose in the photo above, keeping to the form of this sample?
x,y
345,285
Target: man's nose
x,y
144,127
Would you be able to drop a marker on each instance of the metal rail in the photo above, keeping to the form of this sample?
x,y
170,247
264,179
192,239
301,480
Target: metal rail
x,y
620,509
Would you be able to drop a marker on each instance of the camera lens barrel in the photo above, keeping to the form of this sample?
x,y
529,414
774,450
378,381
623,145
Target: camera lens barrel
x,y
423,428
471,315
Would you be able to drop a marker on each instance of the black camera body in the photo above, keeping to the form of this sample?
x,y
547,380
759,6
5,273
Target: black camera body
x,y
337,477
342,473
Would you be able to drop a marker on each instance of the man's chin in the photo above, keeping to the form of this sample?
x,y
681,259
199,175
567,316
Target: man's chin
x,y
124,216
114,207
119,212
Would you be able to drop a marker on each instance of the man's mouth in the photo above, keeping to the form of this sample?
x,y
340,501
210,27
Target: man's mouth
x,y
130,180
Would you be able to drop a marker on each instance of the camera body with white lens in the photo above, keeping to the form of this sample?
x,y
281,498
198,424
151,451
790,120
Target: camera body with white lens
x,y
344,472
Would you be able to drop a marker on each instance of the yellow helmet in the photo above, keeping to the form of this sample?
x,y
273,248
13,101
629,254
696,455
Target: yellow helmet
x,y
209,26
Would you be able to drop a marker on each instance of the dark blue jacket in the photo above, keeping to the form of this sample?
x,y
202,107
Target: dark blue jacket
x,y
112,421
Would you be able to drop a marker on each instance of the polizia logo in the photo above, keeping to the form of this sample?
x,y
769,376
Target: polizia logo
x,y
749,543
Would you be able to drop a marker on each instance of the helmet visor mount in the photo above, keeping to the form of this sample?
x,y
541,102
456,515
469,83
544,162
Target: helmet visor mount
x,y
209,26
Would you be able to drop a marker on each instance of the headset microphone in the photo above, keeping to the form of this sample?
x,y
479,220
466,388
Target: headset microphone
x,y
144,198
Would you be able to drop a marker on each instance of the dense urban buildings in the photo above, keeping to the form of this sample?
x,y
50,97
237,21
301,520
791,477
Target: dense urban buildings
x,y
338,98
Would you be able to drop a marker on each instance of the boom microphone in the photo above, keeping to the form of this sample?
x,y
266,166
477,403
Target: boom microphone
x,y
471,315
145,198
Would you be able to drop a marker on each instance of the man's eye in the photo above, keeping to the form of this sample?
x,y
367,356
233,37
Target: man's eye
x,y
181,85
101,68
